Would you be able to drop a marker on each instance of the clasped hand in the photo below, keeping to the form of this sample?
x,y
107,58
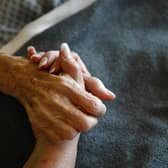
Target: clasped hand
x,y
59,105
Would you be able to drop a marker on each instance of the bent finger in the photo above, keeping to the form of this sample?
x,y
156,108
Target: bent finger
x,y
97,88
56,66
87,102
31,51
48,59
69,65
92,84
37,57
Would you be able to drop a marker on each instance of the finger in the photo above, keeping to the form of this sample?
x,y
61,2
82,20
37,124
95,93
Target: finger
x,y
92,84
56,66
31,51
37,57
66,113
73,115
46,120
69,65
97,88
81,63
87,102
48,59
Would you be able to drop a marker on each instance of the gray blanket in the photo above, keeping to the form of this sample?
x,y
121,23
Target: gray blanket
x,y
125,43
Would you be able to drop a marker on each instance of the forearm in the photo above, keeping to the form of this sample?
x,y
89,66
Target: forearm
x,y
7,73
46,155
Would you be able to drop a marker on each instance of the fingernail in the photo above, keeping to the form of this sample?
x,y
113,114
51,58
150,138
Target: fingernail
x,y
35,56
30,48
52,70
66,49
43,62
111,93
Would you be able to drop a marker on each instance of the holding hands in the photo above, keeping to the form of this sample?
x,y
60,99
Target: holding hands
x,y
60,103
76,100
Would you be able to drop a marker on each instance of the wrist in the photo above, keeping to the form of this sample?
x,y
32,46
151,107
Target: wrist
x,y
47,154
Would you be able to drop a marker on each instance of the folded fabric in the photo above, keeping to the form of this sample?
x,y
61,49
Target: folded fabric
x,y
15,14
67,9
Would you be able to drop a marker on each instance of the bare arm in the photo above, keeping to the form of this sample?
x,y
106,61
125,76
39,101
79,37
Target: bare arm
x,y
62,155
16,70
47,155
7,74
21,79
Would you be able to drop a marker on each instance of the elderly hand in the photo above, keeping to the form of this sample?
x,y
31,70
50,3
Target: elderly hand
x,y
56,105
70,63
55,63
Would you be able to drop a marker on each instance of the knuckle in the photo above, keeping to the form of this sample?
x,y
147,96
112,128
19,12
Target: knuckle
x,y
103,110
75,67
96,80
98,108
34,80
94,103
63,81
69,135
52,52
88,124
66,83
75,55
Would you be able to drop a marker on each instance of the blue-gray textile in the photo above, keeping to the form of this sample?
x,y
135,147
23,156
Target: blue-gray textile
x,y
125,43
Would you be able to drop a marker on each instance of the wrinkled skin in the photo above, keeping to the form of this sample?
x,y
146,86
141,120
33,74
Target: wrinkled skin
x,y
70,62
57,106
54,62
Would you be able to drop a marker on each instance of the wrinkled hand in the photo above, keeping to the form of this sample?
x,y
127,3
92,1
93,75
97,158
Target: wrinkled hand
x,y
54,62
57,106
80,108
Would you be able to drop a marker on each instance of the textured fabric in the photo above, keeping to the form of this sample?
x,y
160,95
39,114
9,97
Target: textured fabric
x,y
125,43
14,14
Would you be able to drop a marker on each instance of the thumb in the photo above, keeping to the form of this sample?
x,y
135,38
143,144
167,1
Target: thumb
x,y
69,65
